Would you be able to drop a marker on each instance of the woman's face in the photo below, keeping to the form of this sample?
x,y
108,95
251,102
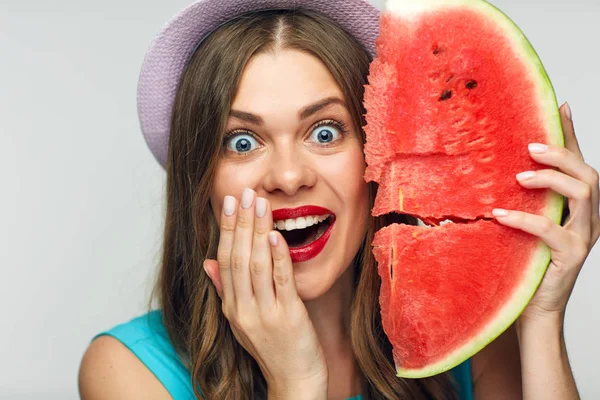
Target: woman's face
x,y
295,155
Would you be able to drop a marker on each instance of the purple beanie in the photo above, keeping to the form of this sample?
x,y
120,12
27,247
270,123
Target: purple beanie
x,y
170,51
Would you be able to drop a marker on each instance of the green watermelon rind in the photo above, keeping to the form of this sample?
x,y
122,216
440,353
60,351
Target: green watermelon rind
x,y
540,260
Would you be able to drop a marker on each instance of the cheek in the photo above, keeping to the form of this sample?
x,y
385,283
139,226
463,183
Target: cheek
x,y
230,180
352,183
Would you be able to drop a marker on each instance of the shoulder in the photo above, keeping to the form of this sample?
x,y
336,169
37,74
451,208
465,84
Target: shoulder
x,y
110,371
135,359
496,369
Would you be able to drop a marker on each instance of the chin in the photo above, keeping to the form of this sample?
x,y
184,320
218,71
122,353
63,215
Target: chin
x,y
311,288
315,279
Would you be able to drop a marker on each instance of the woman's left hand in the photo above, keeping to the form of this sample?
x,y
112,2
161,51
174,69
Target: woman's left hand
x,y
570,243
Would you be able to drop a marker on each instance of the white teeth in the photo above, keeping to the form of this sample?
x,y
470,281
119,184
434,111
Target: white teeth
x,y
299,223
290,224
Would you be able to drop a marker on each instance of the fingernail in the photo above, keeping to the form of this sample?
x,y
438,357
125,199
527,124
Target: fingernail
x,y
498,212
568,111
247,198
537,148
229,205
261,207
273,238
525,175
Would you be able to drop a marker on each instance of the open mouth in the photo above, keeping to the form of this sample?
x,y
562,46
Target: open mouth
x,y
303,231
306,230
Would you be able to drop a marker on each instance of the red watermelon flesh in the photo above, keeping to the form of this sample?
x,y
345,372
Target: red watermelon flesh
x,y
454,96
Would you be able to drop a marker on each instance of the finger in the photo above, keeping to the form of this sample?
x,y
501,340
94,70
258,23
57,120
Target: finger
x,y
226,232
283,273
571,141
261,263
557,181
571,164
211,267
577,192
554,235
572,144
242,247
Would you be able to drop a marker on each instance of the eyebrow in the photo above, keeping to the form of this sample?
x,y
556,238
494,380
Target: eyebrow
x,y
303,114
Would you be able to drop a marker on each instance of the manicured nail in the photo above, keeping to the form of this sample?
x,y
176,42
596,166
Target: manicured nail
x,y
247,198
261,207
498,212
568,111
537,148
525,175
273,238
229,205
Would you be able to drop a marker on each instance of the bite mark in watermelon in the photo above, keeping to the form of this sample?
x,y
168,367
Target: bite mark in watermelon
x,y
455,94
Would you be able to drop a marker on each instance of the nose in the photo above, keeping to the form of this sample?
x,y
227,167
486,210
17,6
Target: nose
x,y
289,170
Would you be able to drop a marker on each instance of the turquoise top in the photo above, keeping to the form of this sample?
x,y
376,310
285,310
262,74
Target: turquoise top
x,y
147,338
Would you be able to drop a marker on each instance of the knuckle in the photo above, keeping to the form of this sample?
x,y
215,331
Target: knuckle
x,y
237,261
271,319
278,257
223,259
228,225
562,151
281,279
244,221
270,323
244,321
594,177
547,225
585,193
262,229
256,267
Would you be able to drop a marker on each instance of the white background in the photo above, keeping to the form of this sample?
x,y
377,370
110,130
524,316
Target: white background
x,y
81,195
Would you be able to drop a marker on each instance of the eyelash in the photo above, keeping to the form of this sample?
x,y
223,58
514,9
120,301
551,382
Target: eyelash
x,y
339,125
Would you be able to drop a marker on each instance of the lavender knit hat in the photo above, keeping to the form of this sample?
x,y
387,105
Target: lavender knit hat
x,y
170,51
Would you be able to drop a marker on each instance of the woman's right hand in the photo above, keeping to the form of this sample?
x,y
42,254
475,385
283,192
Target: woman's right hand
x,y
254,277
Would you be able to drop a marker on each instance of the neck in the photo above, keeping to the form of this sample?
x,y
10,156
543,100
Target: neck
x,y
330,315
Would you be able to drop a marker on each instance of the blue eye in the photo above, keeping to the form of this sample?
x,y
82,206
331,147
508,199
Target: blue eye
x,y
328,132
240,142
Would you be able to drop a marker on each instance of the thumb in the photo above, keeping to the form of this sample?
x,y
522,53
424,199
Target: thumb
x,y
211,267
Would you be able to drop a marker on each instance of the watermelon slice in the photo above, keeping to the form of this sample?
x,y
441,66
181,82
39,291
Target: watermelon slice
x,y
455,95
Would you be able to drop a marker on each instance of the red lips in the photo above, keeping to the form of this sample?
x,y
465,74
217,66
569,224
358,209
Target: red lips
x,y
311,250
291,213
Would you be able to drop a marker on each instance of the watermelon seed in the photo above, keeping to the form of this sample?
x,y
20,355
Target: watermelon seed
x,y
450,78
471,84
436,50
446,95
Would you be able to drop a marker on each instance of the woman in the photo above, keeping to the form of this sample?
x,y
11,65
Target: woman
x,y
266,127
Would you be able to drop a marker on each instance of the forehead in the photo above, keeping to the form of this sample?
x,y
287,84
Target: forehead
x,y
283,79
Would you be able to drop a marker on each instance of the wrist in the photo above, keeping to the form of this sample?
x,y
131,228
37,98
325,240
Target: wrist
x,y
548,324
315,389
304,393
546,372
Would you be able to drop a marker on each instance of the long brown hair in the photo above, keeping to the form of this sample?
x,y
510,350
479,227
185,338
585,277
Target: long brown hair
x,y
220,367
